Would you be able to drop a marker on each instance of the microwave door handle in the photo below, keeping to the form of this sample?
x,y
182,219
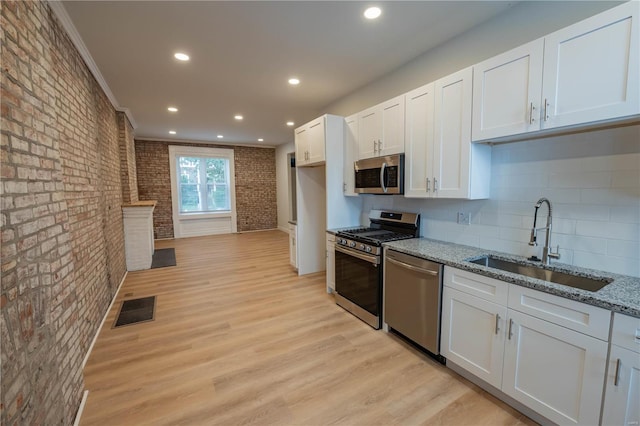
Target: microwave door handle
x,y
382,185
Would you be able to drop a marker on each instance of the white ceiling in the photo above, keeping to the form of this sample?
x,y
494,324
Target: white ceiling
x,y
242,54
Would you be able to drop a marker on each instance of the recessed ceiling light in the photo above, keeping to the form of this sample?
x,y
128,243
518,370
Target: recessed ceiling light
x,y
290,123
172,132
372,12
181,56
220,136
172,109
294,81
238,117
260,140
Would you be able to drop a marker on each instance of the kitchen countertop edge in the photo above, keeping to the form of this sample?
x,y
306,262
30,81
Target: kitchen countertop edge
x,y
622,295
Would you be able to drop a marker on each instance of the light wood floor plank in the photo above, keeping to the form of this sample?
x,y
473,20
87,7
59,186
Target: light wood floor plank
x,y
238,338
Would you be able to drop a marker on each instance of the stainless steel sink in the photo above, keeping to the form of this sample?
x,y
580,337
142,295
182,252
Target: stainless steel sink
x,y
532,271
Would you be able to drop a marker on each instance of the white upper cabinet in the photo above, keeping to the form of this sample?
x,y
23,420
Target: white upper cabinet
x,y
392,127
591,69
506,92
418,151
460,169
316,141
580,75
302,145
381,129
310,143
350,154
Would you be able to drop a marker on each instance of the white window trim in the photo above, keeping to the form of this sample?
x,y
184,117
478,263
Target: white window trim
x,y
176,151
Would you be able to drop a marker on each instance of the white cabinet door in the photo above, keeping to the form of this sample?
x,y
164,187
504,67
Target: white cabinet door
x,y
302,146
316,141
331,263
555,371
418,176
622,393
392,114
591,69
293,247
506,92
350,154
369,132
473,334
452,150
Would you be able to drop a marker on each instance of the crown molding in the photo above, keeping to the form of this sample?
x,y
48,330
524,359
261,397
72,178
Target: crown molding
x,y
214,142
74,35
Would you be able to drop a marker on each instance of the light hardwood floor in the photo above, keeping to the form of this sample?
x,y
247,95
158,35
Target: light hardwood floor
x,y
239,338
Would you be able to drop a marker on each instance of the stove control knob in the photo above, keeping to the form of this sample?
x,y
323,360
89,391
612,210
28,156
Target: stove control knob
x,y
361,246
342,241
352,244
368,249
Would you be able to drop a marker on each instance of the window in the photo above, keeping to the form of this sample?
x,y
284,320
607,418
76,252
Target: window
x,y
203,190
203,184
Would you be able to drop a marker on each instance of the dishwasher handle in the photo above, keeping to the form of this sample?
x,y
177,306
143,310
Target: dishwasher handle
x,y
411,267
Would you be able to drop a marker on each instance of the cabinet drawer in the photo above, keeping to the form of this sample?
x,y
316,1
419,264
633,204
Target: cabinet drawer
x,y
587,319
478,285
626,332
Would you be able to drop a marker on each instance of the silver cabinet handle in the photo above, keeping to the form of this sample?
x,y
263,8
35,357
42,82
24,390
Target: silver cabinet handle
x,y
546,105
411,267
379,145
374,147
497,320
435,184
344,187
428,189
616,380
382,185
531,108
510,328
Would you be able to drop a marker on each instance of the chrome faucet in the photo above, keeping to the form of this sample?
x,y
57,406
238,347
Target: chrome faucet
x,y
547,252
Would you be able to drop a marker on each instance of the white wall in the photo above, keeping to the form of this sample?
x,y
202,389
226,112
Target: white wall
x,y
524,22
592,180
282,184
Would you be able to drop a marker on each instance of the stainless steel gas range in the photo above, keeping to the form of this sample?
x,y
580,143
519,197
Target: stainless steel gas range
x,y
359,262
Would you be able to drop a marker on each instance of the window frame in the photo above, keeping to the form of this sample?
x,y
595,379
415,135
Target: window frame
x,y
176,151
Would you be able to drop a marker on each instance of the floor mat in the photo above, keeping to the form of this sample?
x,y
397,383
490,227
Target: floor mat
x,y
135,311
163,258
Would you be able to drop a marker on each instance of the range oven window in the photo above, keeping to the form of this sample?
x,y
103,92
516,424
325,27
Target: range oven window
x,y
359,281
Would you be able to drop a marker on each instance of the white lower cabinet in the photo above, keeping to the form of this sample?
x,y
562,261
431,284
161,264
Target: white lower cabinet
x,y
331,263
293,247
548,367
472,336
622,392
555,371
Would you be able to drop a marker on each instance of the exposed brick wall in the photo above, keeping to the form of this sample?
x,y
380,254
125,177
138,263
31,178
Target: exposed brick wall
x,y
128,174
255,176
62,239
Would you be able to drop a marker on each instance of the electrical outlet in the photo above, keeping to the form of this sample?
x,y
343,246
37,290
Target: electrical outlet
x,y
464,218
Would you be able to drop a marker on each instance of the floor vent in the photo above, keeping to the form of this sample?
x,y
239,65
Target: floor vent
x,y
135,311
163,258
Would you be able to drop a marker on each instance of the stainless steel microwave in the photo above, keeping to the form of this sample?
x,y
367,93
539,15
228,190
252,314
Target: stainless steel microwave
x,y
380,175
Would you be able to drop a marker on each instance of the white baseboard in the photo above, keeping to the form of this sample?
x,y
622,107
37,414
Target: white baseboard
x,y
93,342
257,230
85,395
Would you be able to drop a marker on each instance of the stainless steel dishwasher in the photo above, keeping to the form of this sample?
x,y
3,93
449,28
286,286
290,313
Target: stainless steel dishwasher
x,y
412,298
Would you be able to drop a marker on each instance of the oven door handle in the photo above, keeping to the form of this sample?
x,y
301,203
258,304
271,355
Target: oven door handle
x,y
382,185
366,257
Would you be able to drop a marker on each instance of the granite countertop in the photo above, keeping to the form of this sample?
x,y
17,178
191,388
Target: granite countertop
x,y
621,295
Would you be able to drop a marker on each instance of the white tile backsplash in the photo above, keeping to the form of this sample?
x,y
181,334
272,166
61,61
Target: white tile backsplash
x,y
592,180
